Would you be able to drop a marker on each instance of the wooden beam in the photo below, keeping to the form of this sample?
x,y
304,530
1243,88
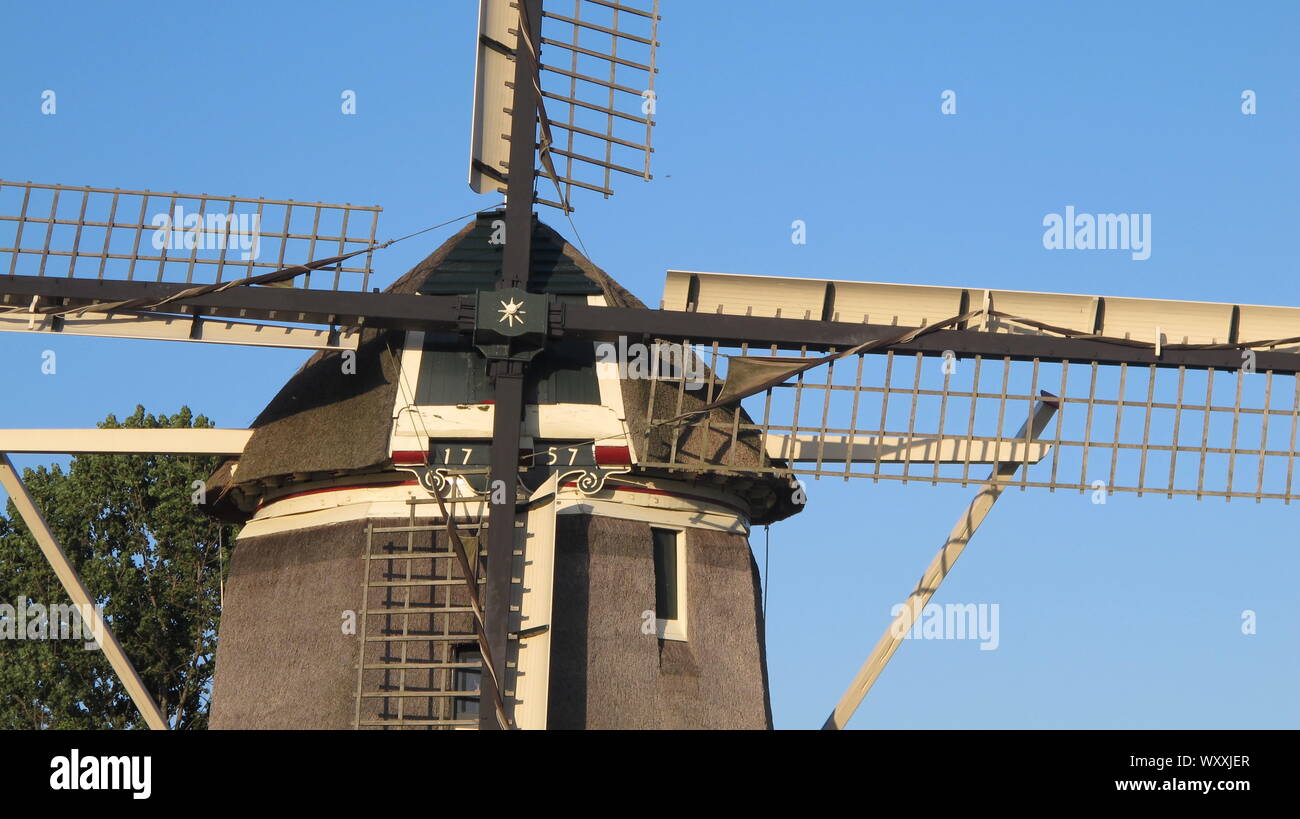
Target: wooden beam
x,y
393,311
126,441
867,448
158,327
494,95
503,476
67,575
587,323
508,375
915,305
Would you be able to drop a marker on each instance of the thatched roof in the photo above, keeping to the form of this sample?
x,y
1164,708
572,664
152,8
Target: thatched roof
x,y
324,422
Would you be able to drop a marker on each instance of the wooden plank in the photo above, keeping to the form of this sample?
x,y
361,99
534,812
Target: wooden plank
x,y
532,654
180,328
868,448
913,305
126,441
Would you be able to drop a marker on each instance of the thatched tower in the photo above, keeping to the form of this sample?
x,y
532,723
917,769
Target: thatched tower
x,y
321,487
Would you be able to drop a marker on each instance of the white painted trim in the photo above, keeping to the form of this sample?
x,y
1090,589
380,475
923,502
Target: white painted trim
x,y
677,628
325,506
410,363
555,422
329,502
413,424
532,675
320,508
607,377
322,517
404,400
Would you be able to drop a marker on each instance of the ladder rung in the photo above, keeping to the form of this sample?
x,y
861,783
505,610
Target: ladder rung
x,y
417,665
434,527
410,638
378,584
387,694
368,723
423,610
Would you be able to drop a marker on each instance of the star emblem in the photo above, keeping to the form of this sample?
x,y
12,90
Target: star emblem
x,y
511,312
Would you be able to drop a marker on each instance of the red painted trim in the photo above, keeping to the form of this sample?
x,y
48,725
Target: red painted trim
x,y
613,455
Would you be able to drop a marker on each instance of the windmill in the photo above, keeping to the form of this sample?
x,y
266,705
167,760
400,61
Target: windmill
x,y
501,502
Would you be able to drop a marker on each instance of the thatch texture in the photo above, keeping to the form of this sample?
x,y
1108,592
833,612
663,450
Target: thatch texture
x,y
607,674
324,420
283,660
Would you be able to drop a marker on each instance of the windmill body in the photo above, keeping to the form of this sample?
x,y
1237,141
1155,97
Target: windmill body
x,y
330,487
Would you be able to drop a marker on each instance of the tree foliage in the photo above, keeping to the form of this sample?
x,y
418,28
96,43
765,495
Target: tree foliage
x,y
145,550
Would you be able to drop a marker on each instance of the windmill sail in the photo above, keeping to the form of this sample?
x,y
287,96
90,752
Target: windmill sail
x,y
1152,425
110,236
126,235
596,88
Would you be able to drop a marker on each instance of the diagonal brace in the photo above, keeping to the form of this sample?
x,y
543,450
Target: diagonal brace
x,y
68,576
938,569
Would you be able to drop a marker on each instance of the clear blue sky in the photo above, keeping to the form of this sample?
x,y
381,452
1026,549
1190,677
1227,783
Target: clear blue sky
x,y
1122,615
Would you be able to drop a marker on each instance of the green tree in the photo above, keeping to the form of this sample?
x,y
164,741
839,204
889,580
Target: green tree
x,y
145,550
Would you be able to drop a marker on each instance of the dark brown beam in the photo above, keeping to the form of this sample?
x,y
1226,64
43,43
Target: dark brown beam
x,y
393,311
507,417
608,323
508,376
442,314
